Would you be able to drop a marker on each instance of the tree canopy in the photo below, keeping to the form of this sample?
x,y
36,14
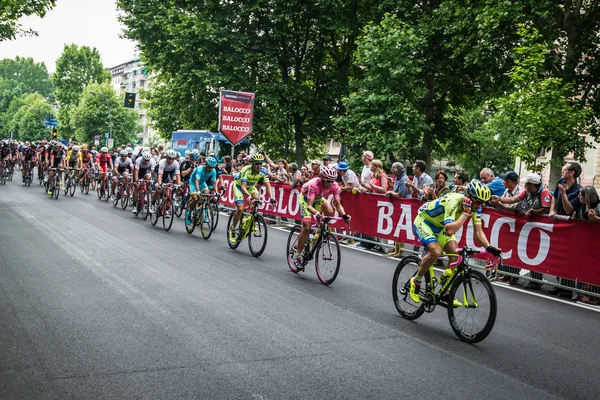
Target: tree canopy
x,y
12,10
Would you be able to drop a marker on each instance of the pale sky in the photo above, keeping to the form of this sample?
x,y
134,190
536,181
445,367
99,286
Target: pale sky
x,y
92,23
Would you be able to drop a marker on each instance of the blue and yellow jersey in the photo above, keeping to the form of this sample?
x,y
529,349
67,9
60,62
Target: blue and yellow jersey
x,y
251,179
446,210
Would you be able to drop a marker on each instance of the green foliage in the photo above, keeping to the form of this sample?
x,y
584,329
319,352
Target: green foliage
x,y
91,116
76,68
543,112
28,113
12,10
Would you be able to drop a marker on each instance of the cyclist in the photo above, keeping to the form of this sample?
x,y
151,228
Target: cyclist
x,y
438,221
86,161
245,187
143,168
5,154
29,158
57,160
168,168
200,183
121,168
73,157
313,201
104,162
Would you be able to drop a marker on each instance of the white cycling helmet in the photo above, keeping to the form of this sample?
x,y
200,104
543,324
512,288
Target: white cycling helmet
x,y
146,155
171,154
104,150
129,150
76,148
328,173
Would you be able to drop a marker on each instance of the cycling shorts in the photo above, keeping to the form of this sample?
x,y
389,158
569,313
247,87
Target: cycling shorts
x,y
238,195
57,163
306,214
72,164
202,188
428,233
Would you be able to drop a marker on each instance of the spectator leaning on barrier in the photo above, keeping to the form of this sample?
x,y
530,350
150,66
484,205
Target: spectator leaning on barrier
x,y
459,183
304,172
350,181
495,184
365,175
439,189
534,200
379,180
296,175
421,180
590,204
400,189
511,183
566,193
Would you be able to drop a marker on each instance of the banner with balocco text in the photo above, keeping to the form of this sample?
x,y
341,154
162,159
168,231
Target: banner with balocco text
x,y
564,248
236,110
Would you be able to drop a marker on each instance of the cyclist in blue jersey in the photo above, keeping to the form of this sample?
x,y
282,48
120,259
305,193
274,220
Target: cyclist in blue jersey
x,y
201,181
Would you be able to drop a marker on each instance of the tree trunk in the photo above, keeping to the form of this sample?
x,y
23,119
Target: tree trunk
x,y
299,139
555,167
429,109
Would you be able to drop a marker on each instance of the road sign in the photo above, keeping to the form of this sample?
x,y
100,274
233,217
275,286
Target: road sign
x,y
96,140
106,135
110,142
50,122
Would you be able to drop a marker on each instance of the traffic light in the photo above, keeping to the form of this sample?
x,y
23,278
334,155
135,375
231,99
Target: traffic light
x,y
129,100
54,133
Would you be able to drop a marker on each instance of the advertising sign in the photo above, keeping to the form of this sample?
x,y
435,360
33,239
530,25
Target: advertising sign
x,y
236,110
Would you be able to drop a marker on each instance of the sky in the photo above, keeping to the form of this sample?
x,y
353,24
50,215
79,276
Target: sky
x,y
91,23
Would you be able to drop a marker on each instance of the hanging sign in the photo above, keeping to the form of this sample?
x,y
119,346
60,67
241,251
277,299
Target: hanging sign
x,y
236,110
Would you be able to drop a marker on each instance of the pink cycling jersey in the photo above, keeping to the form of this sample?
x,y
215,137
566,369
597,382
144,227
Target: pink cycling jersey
x,y
314,189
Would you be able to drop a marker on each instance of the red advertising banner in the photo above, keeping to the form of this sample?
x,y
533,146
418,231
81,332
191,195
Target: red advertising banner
x,y
563,249
236,110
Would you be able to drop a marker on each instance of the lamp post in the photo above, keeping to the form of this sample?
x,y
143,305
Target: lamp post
x,y
108,107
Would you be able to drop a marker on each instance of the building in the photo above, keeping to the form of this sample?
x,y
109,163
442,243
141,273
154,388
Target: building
x,y
131,76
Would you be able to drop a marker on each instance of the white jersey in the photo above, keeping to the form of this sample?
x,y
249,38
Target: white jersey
x,y
122,166
141,164
172,168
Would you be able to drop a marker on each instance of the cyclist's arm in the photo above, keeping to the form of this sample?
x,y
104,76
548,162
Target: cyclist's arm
x,y
452,208
338,206
270,190
453,227
309,205
243,186
480,236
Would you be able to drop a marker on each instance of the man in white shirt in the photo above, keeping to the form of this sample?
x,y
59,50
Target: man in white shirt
x,y
421,179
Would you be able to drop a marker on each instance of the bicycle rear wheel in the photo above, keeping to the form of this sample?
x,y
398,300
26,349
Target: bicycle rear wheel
x,y
125,198
167,214
177,204
144,205
215,208
72,188
406,269
206,220
234,243
192,215
328,259
257,238
67,186
474,321
292,245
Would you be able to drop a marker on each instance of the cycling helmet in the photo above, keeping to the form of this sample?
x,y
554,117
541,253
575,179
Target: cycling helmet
x,y
84,147
129,150
342,166
55,144
146,155
104,150
76,148
123,153
258,158
479,191
171,153
210,161
195,155
187,153
328,173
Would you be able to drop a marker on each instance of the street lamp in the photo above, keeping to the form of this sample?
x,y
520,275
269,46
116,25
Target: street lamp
x,y
108,107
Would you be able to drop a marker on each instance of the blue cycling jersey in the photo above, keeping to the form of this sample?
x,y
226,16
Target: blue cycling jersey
x,y
203,176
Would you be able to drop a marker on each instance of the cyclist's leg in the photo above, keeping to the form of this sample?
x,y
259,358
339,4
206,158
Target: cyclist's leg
x,y
238,197
306,222
428,236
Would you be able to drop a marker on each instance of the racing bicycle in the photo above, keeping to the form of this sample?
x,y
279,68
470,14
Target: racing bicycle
x,y
202,216
474,319
253,226
321,245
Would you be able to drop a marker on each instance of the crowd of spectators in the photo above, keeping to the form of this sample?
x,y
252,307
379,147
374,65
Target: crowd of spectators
x,y
511,193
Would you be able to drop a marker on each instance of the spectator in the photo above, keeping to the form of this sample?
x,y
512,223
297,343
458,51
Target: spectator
x,y
421,181
228,164
439,189
495,184
326,161
534,200
296,175
590,204
350,181
459,183
237,167
566,193
315,165
379,180
511,182
304,172
281,174
365,175
400,189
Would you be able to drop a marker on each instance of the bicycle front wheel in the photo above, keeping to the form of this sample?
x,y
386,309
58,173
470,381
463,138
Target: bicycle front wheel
x,y
406,269
292,245
257,237
168,214
474,320
328,259
206,221
215,208
238,229
144,204
72,188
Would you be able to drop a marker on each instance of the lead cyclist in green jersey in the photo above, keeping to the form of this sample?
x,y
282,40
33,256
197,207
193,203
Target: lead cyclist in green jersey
x,y
245,187
437,222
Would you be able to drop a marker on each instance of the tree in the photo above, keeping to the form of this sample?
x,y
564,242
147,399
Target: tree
x,y
27,123
76,68
294,55
12,10
91,118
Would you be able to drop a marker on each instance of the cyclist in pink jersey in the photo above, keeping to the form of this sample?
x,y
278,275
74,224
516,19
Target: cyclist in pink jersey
x,y
313,202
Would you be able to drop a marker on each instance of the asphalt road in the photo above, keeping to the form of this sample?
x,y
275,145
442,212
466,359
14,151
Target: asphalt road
x,y
95,303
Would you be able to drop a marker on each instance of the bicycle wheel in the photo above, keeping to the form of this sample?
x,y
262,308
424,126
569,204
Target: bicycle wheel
x,y
235,243
192,216
328,259
206,220
66,186
292,245
99,192
215,208
56,189
406,269
257,237
106,188
118,194
72,188
125,198
167,214
177,204
10,174
145,207
86,184
474,321
154,215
